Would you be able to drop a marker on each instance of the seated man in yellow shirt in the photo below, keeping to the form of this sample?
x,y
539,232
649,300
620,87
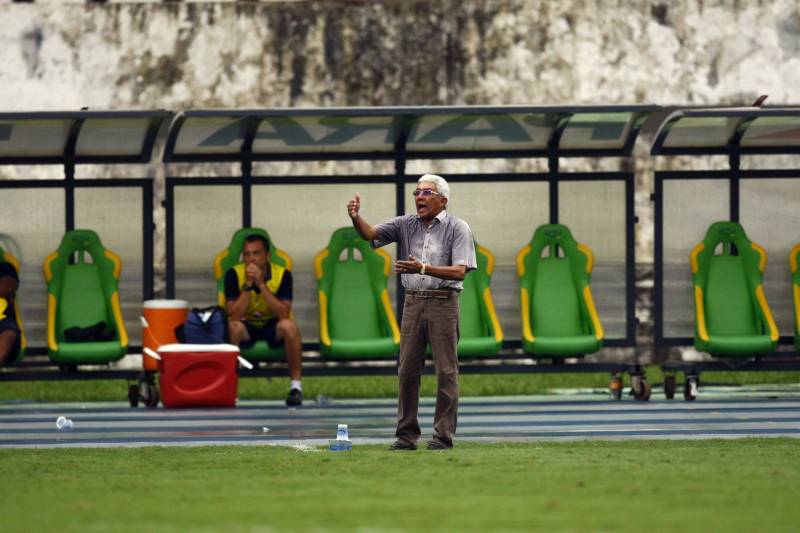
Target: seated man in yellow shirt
x,y
259,304
9,330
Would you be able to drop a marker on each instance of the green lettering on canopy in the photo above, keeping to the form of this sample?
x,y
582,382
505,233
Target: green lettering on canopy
x,y
226,135
285,129
345,131
502,127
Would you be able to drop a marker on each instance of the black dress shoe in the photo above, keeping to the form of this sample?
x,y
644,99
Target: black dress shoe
x,y
295,398
401,444
438,445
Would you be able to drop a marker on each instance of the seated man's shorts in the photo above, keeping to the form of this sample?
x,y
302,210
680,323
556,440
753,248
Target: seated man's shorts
x,y
268,332
9,324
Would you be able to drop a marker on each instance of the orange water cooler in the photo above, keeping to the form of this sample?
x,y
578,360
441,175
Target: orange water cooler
x,y
161,318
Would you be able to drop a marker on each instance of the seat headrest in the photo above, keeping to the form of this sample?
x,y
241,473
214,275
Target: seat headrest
x,y
237,241
346,237
556,237
80,240
726,232
730,235
553,235
230,255
794,257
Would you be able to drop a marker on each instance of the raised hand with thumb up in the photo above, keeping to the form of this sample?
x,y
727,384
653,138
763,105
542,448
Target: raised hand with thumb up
x,y
353,206
363,228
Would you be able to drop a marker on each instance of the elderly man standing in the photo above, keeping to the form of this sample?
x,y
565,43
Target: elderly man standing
x,y
436,251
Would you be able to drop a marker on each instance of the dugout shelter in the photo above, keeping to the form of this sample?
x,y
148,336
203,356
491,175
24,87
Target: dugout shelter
x,y
687,202
37,213
301,211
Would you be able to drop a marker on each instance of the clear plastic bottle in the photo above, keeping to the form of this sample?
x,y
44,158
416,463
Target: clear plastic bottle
x,y
342,441
63,423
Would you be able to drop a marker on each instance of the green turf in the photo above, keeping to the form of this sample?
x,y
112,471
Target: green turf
x,y
718,485
375,387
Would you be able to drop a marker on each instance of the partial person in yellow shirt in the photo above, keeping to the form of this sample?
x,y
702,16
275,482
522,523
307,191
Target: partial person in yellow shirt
x,y
9,329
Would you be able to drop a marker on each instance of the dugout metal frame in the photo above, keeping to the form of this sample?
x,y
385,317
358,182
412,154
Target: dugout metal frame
x,y
734,145
403,120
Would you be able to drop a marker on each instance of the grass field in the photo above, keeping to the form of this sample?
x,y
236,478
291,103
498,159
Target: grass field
x,y
741,485
375,387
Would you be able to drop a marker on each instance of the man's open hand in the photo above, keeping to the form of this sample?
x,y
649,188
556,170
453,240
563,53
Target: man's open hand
x,y
411,266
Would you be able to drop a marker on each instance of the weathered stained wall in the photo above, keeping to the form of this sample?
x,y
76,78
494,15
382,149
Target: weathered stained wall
x,y
144,55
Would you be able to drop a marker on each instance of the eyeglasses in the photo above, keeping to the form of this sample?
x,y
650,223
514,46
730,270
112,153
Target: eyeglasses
x,y
425,192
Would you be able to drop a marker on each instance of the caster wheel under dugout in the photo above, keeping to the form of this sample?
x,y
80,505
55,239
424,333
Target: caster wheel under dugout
x,y
640,388
153,397
615,387
669,387
690,388
148,394
133,395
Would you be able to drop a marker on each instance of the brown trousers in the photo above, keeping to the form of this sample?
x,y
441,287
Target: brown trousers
x,y
435,322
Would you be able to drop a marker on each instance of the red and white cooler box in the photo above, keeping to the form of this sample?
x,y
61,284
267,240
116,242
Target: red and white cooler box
x,y
198,375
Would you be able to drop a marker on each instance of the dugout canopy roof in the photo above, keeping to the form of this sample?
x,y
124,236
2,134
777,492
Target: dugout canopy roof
x,y
53,137
410,132
747,130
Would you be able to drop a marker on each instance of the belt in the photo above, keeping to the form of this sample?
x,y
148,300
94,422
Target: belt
x,y
439,294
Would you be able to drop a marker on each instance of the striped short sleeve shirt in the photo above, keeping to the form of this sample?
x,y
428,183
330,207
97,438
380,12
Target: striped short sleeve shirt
x,y
446,242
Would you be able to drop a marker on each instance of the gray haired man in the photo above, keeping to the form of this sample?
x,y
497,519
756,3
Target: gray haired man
x,y
436,252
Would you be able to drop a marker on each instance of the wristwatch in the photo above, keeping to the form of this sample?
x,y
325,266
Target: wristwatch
x,y
422,270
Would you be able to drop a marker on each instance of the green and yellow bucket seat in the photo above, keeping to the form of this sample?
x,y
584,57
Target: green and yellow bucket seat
x,y
230,257
794,257
356,319
7,257
480,331
559,318
82,291
732,317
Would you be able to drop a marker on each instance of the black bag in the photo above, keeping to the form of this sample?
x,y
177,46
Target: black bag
x,y
206,325
96,333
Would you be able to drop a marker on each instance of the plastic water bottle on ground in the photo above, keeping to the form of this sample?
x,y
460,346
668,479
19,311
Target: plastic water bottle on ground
x,y
342,441
63,423
323,400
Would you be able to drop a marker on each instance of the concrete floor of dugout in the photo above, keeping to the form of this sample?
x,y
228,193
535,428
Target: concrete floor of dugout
x,y
721,412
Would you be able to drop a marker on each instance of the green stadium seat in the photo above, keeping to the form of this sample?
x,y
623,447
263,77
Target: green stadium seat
x,y
559,318
83,289
227,259
732,317
23,341
794,257
356,319
480,331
